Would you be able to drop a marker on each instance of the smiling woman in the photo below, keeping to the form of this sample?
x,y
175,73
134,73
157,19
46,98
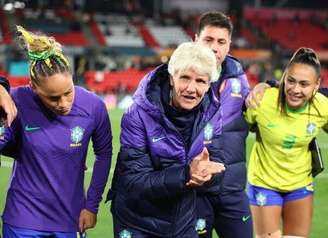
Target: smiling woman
x,y
49,141
280,179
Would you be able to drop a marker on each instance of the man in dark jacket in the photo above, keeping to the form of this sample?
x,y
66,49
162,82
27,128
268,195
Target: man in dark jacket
x,y
223,203
167,138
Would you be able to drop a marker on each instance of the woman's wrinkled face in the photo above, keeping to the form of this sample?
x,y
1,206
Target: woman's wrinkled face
x,y
301,82
188,89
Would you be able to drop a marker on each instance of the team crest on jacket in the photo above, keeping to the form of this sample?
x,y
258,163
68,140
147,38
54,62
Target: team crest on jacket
x,y
200,226
235,87
208,133
2,132
76,136
310,128
125,234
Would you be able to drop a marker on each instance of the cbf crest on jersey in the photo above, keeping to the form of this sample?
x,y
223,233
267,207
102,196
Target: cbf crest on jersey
x,y
235,87
311,128
208,133
2,132
76,136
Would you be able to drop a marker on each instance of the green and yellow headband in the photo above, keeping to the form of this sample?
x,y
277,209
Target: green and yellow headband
x,y
44,55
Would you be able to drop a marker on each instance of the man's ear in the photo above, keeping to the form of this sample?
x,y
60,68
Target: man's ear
x,y
196,38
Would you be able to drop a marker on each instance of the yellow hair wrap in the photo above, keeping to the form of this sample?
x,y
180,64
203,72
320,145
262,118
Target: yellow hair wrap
x,y
47,48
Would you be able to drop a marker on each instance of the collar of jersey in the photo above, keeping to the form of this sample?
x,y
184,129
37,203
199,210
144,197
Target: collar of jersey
x,y
296,110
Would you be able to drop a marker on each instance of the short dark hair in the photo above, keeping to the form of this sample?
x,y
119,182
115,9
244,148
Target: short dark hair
x,y
214,18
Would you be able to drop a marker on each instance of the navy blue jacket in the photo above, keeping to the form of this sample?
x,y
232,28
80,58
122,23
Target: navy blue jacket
x,y
148,189
232,89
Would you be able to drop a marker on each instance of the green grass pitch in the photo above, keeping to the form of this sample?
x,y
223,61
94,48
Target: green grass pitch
x,y
104,225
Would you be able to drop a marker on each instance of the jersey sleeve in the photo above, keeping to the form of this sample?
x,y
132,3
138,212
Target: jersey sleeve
x,y
4,82
250,116
245,86
102,147
9,138
324,91
6,134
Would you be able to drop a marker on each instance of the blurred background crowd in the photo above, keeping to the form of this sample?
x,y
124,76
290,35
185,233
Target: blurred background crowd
x,y
111,44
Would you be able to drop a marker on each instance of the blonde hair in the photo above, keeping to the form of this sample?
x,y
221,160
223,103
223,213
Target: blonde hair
x,y
44,53
196,57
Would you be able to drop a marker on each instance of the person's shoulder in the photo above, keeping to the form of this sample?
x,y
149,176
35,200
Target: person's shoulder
x,y
232,59
232,67
21,94
85,97
26,89
321,101
133,112
270,96
321,97
271,92
88,103
82,92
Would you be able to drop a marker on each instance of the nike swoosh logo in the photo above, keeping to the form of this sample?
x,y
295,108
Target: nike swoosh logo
x,y
28,128
245,218
202,232
156,139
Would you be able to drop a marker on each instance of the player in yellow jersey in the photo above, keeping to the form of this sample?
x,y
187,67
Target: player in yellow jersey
x,y
280,180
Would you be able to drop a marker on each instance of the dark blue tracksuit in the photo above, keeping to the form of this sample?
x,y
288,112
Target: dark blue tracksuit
x,y
223,204
149,193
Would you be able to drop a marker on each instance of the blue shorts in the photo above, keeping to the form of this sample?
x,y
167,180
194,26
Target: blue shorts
x,y
9,231
259,196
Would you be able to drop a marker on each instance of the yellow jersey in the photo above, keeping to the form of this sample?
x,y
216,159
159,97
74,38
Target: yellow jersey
x,y
280,159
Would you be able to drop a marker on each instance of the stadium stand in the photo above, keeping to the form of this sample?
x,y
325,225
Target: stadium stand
x,y
60,23
118,31
262,36
292,29
102,82
167,36
5,32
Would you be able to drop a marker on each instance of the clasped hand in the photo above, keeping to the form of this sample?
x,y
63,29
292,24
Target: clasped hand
x,y
202,169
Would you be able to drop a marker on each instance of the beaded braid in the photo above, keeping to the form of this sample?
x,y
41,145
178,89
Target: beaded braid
x,y
45,55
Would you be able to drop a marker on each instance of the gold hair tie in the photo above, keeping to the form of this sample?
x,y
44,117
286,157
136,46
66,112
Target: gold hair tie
x,y
31,39
44,55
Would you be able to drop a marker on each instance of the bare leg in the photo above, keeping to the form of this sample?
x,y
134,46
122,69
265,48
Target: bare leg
x,y
267,221
297,217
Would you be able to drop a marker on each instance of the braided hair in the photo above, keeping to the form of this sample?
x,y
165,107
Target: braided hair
x,y
44,53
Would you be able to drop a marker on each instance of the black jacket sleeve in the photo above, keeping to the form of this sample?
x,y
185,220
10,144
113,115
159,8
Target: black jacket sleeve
x,y
5,83
324,91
